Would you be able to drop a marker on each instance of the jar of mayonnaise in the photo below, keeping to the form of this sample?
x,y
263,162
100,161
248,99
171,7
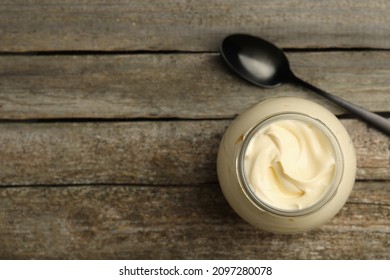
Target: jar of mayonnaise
x,y
286,165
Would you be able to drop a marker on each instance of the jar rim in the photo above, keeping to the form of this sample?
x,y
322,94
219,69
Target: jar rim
x,y
325,198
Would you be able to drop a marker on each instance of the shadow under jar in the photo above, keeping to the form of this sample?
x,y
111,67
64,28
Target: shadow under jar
x,y
286,165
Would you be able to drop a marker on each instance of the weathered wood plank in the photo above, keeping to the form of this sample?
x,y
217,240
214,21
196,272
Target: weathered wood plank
x,y
170,152
180,85
119,222
189,25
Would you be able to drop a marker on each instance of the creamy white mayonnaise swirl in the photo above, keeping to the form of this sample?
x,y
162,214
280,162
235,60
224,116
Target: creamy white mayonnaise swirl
x,y
289,164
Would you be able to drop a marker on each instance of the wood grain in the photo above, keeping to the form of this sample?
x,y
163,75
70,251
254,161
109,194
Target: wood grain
x,y
146,222
111,113
199,25
175,86
141,152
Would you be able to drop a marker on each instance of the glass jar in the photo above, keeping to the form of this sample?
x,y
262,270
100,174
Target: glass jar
x,y
268,162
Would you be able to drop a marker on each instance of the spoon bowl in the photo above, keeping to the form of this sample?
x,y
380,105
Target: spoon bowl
x,y
264,64
256,60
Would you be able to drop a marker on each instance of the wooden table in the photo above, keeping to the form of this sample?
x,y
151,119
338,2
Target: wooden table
x,y
111,113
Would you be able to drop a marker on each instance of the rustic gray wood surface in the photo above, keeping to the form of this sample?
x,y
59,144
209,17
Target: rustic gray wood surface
x,y
111,114
164,222
157,85
196,25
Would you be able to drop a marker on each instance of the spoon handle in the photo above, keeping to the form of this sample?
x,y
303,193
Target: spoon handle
x,y
375,120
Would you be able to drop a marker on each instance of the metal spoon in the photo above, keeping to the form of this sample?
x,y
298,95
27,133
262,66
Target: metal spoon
x,y
264,64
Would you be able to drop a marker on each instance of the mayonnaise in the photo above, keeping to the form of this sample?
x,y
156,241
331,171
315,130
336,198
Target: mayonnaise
x,y
286,165
289,164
